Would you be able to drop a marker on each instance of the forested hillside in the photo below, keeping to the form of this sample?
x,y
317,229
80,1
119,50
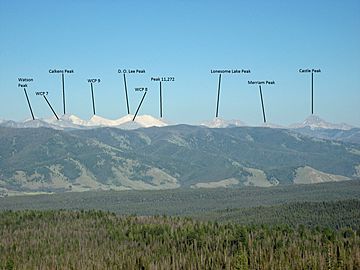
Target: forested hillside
x,y
47,160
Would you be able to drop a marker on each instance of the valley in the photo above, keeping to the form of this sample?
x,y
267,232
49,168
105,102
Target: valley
x,y
186,201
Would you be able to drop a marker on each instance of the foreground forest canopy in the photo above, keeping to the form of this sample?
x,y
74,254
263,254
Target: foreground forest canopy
x,y
59,239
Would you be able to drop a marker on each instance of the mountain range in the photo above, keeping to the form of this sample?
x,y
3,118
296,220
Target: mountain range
x,y
73,122
167,156
312,126
69,121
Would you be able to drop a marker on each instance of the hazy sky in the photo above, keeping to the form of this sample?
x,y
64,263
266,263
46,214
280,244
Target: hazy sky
x,y
184,39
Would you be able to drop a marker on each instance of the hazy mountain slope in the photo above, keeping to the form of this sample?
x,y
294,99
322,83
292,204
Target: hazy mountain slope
x,y
314,126
47,159
166,157
275,151
351,135
222,123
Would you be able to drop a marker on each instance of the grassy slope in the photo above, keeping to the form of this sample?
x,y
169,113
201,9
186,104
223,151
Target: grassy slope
x,y
188,153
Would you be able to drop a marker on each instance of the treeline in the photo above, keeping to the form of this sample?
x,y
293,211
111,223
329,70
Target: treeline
x,y
102,240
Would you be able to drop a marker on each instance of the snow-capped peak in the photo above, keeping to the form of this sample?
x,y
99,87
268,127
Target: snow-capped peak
x,y
222,123
30,123
149,121
101,121
315,122
127,122
64,121
68,121
124,119
74,120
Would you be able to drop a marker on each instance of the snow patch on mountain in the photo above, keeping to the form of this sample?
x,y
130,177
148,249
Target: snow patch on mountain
x,y
149,121
64,122
26,124
315,122
74,120
127,122
222,123
101,121
271,125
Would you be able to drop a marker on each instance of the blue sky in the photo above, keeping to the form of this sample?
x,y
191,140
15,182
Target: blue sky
x,y
184,39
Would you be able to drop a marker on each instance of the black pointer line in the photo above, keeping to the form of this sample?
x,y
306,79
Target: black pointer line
x,y
312,93
28,101
218,97
51,107
139,105
63,90
161,112
126,94
262,104
92,97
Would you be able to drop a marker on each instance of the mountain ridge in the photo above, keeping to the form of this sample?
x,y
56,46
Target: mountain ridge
x,y
69,121
313,122
45,159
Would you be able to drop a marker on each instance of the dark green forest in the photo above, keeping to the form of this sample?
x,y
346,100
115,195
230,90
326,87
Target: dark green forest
x,y
62,239
334,215
284,227
185,202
